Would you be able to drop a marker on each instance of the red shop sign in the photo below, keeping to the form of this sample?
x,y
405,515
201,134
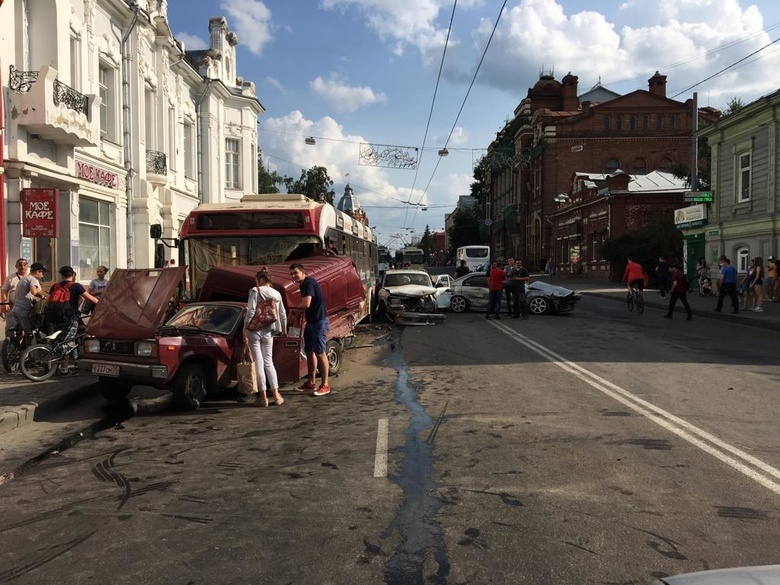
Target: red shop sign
x,y
39,213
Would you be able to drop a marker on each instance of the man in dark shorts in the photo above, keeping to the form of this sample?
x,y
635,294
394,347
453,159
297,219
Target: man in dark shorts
x,y
315,334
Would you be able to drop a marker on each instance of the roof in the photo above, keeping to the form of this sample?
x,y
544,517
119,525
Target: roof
x,y
598,94
655,181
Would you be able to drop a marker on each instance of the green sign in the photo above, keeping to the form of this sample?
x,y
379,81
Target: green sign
x,y
699,196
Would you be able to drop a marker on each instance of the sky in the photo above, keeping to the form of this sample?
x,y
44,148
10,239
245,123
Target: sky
x,y
430,74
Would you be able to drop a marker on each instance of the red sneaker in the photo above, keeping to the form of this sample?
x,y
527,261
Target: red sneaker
x,y
306,386
321,391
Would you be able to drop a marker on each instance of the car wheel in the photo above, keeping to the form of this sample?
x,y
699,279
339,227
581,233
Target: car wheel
x,y
334,351
459,304
190,387
113,389
538,305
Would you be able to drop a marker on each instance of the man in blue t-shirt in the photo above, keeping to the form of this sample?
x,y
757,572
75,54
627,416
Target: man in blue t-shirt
x,y
315,334
727,285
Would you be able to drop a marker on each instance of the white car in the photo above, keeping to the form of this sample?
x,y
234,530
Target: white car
x,y
409,297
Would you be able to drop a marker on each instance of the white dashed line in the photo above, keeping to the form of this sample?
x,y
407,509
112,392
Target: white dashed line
x,y
380,459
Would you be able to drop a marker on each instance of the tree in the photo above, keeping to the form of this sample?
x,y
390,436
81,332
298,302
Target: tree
x,y
267,181
735,105
659,237
425,241
314,183
464,230
480,188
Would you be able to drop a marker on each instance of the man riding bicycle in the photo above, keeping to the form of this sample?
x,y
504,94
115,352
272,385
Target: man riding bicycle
x,y
634,276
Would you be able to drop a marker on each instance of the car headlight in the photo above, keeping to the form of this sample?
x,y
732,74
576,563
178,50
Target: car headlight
x,y
92,346
144,349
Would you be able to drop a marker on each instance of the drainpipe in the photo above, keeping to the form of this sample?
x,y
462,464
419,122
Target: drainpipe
x,y
129,173
3,250
199,140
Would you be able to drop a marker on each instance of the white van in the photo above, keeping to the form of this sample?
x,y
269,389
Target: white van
x,y
473,255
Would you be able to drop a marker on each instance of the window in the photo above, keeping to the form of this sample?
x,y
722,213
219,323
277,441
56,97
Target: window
x,y
107,91
232,167
743,179
659,122
607,122
672,121
619,122
743,260
632,122
189,154
171,139
645,122
149,120
638,167
613,164
95,227
75,63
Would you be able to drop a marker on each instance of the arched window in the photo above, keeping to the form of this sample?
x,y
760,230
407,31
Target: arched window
x,y
743,259
664,164
639,167
607,122
612,165
632,122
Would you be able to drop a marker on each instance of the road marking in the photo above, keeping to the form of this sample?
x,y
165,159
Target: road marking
x,y
380,459
700,438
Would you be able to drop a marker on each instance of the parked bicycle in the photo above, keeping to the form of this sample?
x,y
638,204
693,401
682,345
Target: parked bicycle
x,y
636,298
18,340
40,362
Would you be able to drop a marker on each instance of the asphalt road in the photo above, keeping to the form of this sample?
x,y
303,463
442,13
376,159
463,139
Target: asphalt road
x,y
598,447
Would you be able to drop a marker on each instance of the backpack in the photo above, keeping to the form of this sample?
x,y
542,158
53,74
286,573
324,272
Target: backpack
x,y
59,308
265,314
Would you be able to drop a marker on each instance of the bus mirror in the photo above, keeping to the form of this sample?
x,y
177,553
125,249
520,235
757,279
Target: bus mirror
x,y
155,231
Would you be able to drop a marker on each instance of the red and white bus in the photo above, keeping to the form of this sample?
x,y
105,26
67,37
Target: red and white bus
x,y
266,229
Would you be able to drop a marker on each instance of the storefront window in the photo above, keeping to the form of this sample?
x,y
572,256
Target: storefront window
x,y
95,227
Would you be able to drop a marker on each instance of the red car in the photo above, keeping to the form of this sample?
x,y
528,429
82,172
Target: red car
x,y
132,338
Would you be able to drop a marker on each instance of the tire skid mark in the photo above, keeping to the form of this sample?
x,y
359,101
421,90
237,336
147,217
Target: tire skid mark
x,y
195,519
58,550
46,515
104,471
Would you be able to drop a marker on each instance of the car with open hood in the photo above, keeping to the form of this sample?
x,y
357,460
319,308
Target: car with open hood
x,y
136,335
409,297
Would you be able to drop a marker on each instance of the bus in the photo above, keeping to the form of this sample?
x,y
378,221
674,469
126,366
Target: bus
x,y
414,257
269,229
473,255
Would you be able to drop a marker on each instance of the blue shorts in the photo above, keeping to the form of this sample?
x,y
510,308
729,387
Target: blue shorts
x,y
315,335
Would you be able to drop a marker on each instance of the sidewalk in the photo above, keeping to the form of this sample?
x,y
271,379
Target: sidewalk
x,y
654,303
23,402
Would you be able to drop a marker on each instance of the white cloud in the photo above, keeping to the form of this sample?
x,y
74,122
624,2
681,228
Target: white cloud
x,y
275,83
251,19
344,98
191,42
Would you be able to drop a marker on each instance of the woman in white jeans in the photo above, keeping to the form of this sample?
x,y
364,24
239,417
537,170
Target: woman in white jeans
x,y
261,341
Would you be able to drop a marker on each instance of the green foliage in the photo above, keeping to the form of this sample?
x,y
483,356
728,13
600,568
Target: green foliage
x,y
314,183
735,105
480,188
659,238
267,182
426,241
464,230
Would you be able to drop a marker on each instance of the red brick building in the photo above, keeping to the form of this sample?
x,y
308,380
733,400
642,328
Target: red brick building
x,y
600,206
556,132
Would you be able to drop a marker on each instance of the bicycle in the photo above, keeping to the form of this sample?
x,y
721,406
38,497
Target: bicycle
x,y
17,341
635,297
40,362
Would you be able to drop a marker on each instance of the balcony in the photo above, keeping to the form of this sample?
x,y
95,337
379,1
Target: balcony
x,y
156,167
45,106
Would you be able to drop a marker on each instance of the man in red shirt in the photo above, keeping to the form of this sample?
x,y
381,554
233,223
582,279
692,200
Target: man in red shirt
x,y
496,290
634,276
679,291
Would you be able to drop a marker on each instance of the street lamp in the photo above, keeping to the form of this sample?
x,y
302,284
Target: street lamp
x,y
444,152
310,141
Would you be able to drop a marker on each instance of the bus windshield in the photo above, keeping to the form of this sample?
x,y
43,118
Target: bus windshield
x,y
203,253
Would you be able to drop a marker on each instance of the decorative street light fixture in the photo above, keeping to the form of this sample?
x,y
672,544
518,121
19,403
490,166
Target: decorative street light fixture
x,y
310,141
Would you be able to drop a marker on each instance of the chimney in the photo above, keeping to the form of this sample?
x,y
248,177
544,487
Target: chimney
x,y
570,101
657,84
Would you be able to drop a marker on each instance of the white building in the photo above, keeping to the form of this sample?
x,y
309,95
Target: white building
x,y
105,106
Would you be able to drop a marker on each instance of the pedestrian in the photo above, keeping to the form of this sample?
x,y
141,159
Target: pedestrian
x,y
62,308
634,276
771,278
261,340
662,275
172,263
519,278
315,333
756,284
8,290
679,290
550,268
542,264
495,290
462,270
727,285
28,290
509,270
96,288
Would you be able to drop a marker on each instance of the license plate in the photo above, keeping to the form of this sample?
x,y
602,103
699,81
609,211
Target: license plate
x,y
105,370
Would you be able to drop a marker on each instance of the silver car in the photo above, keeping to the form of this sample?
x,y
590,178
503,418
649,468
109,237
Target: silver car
x,y
470,292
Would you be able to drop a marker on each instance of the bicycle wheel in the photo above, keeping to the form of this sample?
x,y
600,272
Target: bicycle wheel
x,y
630,302
39,363
640,303
10,352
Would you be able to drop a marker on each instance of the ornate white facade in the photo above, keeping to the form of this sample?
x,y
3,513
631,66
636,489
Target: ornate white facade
x,y
102,103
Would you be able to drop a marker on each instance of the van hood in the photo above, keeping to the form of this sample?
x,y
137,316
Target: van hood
x,y
411,290
135,302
